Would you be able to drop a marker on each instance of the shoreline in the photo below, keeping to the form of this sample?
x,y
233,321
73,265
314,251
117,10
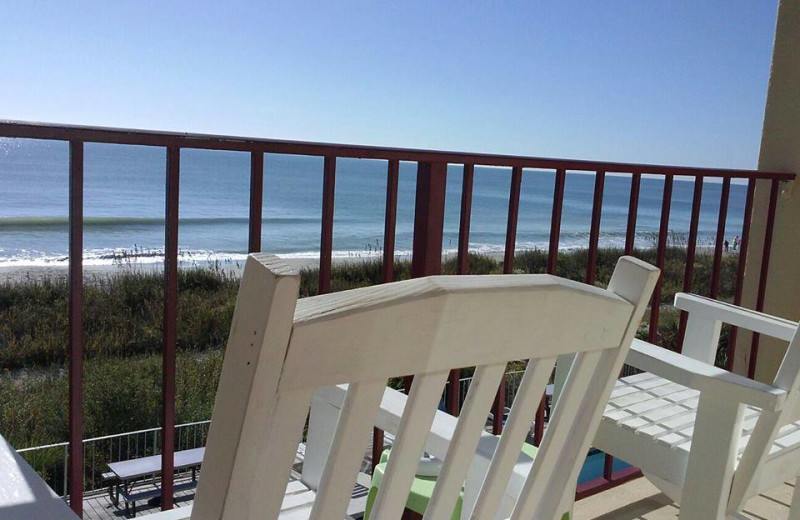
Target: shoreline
x,y
233,267
25,273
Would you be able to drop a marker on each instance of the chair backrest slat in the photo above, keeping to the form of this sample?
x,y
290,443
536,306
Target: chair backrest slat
x,y
520,418
347,449
559,460
423,401
281,350
476,407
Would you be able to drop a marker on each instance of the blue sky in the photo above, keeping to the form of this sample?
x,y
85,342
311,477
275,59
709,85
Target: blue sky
x,y
680,82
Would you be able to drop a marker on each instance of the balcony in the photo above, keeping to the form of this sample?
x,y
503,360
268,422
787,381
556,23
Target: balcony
x,y
72,468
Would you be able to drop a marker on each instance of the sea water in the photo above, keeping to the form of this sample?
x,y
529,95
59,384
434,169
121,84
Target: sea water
x,y
124,204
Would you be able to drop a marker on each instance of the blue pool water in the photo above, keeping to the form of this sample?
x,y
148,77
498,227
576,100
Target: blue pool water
x,y
593,467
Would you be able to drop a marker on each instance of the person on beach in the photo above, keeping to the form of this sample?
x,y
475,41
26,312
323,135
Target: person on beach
x,y
726,244
736,242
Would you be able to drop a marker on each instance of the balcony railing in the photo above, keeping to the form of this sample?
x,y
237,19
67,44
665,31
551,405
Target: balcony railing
x,y
51,461
427,240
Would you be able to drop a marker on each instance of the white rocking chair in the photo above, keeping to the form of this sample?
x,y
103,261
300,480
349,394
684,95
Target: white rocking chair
x,y
281,350
709,439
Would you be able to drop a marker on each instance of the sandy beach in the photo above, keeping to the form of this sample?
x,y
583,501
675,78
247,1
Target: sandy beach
x,y
16,274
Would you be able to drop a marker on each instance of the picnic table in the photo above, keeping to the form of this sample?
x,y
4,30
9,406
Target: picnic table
x,y
125,475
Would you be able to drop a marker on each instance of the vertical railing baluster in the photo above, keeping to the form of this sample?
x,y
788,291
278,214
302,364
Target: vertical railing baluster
x,y
466,216
508,268
740,268
608,467
764,274
390,221
511,223
633,208
555,221
591,263
453,404
76,331
552,265
326,236
661,253
594,233
387,269
66,470
256,200
713,290
170,326
691,248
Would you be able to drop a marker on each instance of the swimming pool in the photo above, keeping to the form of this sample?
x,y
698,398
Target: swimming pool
x,y
593,467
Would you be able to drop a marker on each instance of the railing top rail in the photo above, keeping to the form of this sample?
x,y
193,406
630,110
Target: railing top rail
x,y
94,134
44,447
112,436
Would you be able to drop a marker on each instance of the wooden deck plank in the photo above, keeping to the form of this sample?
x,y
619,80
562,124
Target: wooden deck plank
x,y
98,505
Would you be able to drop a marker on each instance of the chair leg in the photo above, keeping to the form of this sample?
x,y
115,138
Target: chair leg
x,y
711,460
794,512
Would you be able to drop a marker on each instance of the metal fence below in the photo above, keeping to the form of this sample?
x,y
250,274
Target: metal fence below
x,y
51,461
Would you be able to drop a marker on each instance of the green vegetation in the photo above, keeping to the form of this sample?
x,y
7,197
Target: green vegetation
x,y
123,337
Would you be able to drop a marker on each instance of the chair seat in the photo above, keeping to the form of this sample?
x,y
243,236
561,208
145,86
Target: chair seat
x,y
649,421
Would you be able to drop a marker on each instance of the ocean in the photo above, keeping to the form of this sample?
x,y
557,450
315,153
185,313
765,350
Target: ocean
x,y
124,190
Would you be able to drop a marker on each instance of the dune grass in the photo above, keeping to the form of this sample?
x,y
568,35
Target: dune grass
x,y
123,326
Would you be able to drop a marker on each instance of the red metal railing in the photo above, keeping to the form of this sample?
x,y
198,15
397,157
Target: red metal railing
x,y
427,241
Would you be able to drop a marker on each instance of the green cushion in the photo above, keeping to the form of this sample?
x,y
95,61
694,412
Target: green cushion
x,y
422,487
418,497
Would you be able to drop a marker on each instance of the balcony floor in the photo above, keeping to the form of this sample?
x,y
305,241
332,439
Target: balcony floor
x,y
640,500
98,505
636,500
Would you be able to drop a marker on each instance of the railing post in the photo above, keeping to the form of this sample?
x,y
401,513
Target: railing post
x,y
426,258
76,337
170,327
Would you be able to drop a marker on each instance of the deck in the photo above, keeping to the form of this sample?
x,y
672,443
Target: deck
x,y
636,500
97,505
640,500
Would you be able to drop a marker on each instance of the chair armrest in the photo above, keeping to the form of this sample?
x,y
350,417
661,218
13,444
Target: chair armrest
x,y
23,494
734,315
704,377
